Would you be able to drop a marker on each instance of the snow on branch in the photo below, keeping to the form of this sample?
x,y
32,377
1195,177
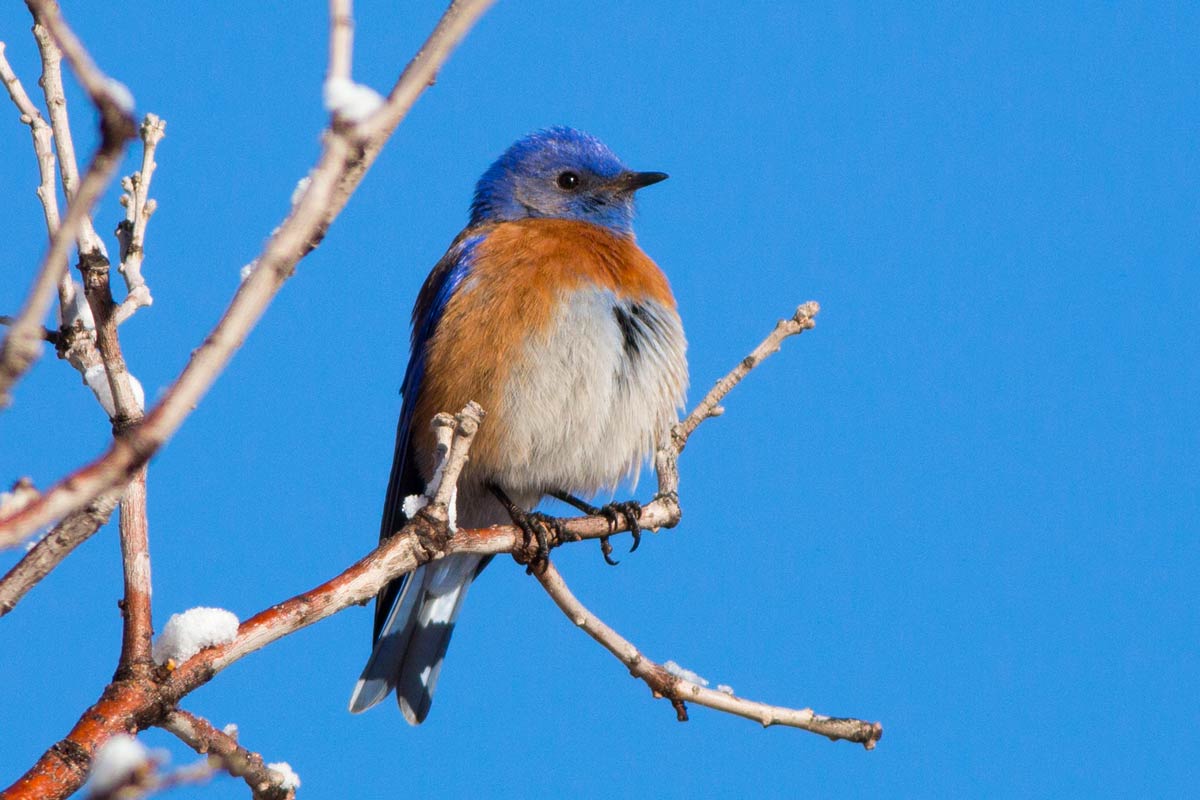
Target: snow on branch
x,y
266,781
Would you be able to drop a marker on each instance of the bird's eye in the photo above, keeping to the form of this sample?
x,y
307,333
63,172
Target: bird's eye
x,y
568,180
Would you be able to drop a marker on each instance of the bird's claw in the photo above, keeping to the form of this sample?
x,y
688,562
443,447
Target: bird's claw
x,y
536,525
628,510
606,550
631,510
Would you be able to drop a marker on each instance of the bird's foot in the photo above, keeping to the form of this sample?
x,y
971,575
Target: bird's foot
x,y
535,526
629,510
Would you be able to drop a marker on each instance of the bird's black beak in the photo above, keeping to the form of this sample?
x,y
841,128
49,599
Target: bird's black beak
x,y
632,181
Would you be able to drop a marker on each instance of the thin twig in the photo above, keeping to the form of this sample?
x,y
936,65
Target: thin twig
x,y
804,319
680,691
131,233
341,39
22,345
43,148
200,735
346,153
47,334
110,98
78,344
56,105
115,105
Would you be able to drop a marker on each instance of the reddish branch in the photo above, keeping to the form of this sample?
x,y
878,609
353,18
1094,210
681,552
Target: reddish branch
x,y
138,631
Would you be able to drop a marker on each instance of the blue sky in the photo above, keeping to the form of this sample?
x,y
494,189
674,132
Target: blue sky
x,y
965,505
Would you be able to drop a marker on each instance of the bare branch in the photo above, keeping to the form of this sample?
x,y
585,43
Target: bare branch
x,y
111,99
420,74
138,631
43,146
341,39
22,345
200,735
679,691
346,154
48,553
56,104
804,319
131,233
78,345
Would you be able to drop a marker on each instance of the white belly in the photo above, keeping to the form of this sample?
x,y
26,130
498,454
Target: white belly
x,y
589,399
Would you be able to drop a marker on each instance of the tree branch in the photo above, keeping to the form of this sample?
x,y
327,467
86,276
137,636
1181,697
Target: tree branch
x,y
679,691
804,319
22,345
49,552
43,148
341,39
200,735
348,150
131,233
138,632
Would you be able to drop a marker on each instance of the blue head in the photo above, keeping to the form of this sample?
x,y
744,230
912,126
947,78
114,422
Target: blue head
x,y
562,173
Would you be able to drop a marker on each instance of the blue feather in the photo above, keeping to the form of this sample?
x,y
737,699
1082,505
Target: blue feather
x,y
405,479
439,288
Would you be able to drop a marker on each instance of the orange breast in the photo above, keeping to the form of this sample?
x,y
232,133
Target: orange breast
x,y
520,271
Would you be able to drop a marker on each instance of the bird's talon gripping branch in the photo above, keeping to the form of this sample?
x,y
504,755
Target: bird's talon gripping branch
x,y
533,525
606,550
630,510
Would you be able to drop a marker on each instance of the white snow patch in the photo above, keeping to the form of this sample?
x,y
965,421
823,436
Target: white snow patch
x,y
353,101
414,503
230,730
120,94
684,674
725,688
248,270
97,380
288,779
301,187
115,762
188,633
79,309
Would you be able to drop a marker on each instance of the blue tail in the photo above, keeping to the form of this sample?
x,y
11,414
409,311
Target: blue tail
x,y
410,648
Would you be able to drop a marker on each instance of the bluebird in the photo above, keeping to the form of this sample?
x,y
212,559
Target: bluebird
x,y
547,313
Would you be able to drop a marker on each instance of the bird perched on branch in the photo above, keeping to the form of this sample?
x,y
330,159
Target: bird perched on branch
x,y
547,313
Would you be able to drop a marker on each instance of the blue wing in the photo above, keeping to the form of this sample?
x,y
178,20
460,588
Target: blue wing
x,y
415,614
439,287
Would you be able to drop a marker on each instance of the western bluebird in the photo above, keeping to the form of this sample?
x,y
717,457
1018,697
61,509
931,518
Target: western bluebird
x,y
547,313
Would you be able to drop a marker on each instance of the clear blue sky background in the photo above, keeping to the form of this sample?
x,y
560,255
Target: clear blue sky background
x,y
965,505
